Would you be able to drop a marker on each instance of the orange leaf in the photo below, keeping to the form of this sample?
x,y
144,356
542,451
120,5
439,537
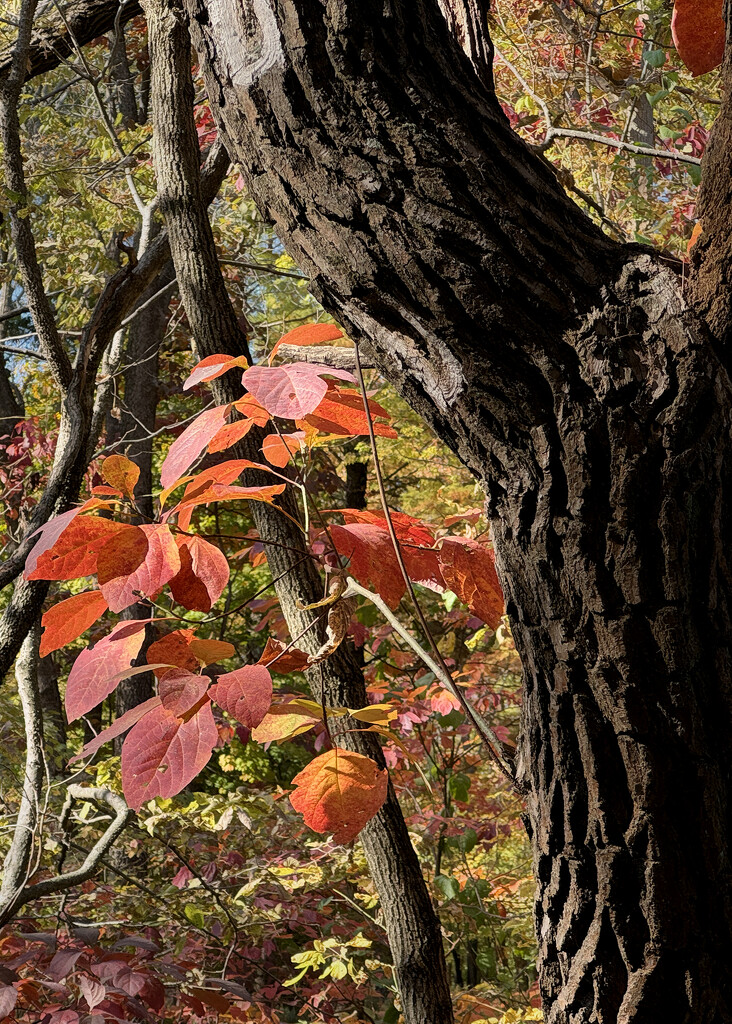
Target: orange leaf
x,y
209,652
91,678
339,792
407,529
203,575
212,367
249,407
221,492
697,28
279,449
245,694
184,451
163,753
119,472
69,619
341,412
308,334
229,434
173,649
694,237
74,551
469,570
122,581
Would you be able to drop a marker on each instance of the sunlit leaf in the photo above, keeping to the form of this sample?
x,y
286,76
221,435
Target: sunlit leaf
x,y
245,694
121,473
339,792
184,451
91,678
67,620
292,390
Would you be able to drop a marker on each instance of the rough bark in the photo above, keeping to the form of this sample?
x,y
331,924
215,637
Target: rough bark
x,y
409,917
570,376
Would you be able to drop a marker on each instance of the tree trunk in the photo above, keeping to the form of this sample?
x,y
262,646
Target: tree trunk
x,y
570,376
411,924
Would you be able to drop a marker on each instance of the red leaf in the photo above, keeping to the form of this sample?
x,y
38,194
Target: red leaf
x,y
229,434
469,570
407,529
372,561
292,390
245,694
73,552
308,334
122,474
423,566
184,451
122,581
341,412
697,28
91,678
180,691
123,723
279,449
294,661
163,753
204,573
339,792
173,649
212,367
69,619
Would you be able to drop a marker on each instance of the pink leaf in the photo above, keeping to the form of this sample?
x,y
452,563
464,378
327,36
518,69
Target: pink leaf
x,y
163,753
212,367
245,694
293,390
161,564
93,991
123,723
92,676
180,690
184,451
8,999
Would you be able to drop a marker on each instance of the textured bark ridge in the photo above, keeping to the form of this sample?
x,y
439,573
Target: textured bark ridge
x,y
568,374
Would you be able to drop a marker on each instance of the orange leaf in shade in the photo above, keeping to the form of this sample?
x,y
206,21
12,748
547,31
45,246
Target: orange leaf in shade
x,y
184,451
212,367
341,412
294,660
69,619
209,652
697,28
73,552
371,559
293,390
279,449
163,753
229,434
203,575
245,694
469,570
308,334
173,649
180,691
91,678
339,792
695,235
122,724
119,472
121,581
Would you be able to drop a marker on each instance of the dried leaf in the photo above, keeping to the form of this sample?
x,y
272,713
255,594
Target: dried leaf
x,y
339,618
339,792
163,753
66,621
245,694
91,678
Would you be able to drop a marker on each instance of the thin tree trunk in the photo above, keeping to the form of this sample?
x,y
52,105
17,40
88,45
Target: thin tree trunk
x,y
409,917
569,375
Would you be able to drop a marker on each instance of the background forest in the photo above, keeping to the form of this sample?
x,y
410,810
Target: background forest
x,y
220,902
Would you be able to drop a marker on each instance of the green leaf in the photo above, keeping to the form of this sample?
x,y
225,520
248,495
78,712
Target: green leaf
x,y
449,887
655,58
695,173
459,787
194,915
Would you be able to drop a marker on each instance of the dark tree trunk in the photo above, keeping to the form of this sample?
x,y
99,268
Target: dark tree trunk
x,y
356,483
570,376
411,924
